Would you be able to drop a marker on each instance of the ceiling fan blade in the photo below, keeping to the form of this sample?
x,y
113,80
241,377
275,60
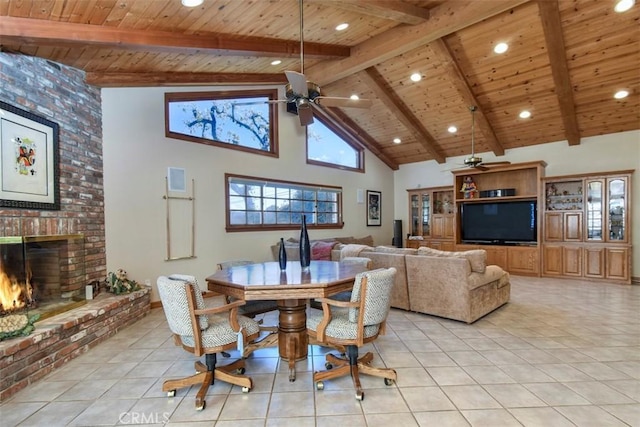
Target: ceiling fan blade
x,y
305,114
333,101
298,83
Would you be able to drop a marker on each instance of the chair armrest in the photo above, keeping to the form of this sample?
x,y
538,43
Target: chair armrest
x,y
220,309
336,303
232,308
327,303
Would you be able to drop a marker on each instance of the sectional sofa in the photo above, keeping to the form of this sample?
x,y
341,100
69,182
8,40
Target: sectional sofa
x,y
453,285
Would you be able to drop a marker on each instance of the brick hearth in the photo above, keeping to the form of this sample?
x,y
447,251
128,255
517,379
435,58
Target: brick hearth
x,y
59,339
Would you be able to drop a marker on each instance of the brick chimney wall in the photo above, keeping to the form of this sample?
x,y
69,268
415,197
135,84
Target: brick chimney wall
x,y
59,93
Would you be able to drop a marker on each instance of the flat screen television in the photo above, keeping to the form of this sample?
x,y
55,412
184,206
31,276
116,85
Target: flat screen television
x,y
499,222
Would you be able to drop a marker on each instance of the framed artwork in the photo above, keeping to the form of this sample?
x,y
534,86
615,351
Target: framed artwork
x,y
29,174
374,208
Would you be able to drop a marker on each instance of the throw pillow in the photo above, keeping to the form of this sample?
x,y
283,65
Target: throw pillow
x,y
322,250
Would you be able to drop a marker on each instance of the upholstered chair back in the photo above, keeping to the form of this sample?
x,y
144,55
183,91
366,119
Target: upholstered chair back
x,y
173,295
377,297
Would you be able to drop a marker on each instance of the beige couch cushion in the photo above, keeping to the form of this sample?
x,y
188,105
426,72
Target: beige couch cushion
x,y
491,274
477,257
394,250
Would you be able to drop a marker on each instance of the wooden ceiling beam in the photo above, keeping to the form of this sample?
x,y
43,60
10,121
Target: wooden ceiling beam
x,y
444,19
452,69
552,26
376,82
392,10
63,34
115,79
347,125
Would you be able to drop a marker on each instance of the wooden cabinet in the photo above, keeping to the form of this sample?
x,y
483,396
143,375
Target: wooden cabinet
x,y
523,260
561,260
563,226
431,218
586,226
515,182
520,260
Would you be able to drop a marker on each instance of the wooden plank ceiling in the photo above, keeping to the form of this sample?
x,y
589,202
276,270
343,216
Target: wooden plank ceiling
x,y
565,61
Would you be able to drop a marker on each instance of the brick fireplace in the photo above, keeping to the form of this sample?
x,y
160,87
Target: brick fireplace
x,y
59,93
63,337
41,274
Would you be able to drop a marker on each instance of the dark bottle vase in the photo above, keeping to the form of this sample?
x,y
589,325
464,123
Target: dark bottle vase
x,y
305,246
282,256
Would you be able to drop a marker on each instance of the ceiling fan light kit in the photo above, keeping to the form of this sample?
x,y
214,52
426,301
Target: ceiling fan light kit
x,y
302,95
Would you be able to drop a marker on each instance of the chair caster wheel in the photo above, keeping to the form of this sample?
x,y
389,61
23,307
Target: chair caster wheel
x,y
328,365
240,371
319,385
245,389
388,381
200,408
360,395
171,393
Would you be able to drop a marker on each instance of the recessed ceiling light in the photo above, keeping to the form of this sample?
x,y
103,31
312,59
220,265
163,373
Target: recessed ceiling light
x,y
397,140
452,129
621,94
354,97
192,3
501,48
624,5
525,114
342,27
416,77
276,62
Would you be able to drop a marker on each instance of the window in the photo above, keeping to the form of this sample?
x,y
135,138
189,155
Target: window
x,y
242,120
329,146
258,204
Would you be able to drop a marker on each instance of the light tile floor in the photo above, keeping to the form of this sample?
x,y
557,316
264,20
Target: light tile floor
x,y
561,353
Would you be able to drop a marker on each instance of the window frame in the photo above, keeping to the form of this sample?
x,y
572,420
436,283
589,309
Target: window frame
x,y
271,94
342,134
228,177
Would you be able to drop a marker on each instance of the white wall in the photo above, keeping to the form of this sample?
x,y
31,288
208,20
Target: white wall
x,y
619,151
137,155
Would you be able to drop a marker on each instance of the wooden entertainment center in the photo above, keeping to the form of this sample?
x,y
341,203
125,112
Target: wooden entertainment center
x,y
585,236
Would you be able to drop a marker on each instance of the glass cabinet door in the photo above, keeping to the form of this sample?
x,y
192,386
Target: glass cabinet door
x,y
426,215
617,209
415,215
595,226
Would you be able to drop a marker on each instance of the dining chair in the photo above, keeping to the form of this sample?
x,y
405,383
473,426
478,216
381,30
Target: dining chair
x,y
251,308
362,322
202,330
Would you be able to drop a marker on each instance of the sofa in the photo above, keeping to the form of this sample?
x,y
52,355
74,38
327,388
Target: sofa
x,y
321,249
453,285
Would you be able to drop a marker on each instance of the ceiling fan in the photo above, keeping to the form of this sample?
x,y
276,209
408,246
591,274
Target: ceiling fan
x,y
306,95
474,161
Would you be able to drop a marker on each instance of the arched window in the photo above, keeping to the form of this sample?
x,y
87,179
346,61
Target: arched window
x,y
329,146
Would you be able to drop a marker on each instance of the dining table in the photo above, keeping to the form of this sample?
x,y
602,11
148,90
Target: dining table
x,y
291,288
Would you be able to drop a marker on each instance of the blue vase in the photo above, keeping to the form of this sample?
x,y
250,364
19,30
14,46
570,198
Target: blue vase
x,y
282,256
305,246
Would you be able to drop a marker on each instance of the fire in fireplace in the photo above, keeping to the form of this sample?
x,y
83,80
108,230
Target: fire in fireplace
x,y
16,291
42,274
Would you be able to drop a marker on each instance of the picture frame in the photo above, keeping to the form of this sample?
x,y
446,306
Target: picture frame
x,y
374,208
29,160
